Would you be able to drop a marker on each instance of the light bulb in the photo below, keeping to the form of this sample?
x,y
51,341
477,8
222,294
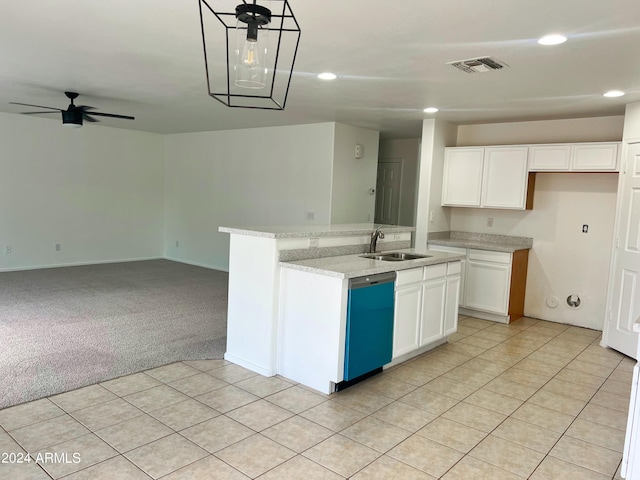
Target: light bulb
x,y
251,52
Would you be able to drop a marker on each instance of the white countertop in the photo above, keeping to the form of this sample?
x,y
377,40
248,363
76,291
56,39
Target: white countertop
x,y
350,266
482,241
307,231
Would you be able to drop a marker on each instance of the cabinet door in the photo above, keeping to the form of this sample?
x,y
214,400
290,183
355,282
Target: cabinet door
x,y
505,177
451,304
487,286
433,304
406,324
462,177
595,157
549,158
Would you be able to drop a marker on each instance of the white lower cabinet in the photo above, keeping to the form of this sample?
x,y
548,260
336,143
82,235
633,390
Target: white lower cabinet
x,y
492,283
432,318
426,308
488,278
408,311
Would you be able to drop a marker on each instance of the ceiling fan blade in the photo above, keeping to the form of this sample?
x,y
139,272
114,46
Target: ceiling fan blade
x,y
34,113
89,118
112,115
38,106
85,107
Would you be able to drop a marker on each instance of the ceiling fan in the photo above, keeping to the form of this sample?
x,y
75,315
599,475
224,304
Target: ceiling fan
x,y
74,114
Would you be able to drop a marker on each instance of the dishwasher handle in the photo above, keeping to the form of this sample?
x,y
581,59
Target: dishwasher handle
x,y
367,281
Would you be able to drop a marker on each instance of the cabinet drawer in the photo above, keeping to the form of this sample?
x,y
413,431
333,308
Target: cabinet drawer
x,y
454,268
405,277
489,256
435,271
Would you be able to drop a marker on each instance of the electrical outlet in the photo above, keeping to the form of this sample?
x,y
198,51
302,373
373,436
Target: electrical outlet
x,y
585,228
311,215
489,222
432,216
57,247
7,250
177,243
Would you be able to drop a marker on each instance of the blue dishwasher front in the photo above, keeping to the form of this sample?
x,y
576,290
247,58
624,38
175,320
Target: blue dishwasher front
x,y
369,338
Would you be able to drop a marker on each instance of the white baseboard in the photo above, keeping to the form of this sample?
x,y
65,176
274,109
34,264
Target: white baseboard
x,y
415,353
195,264
484,315
249,365
78,264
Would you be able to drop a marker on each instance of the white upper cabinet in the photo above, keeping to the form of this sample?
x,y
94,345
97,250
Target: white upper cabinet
x,y
505,177
485,177
549,158
589,157
462,178
577,157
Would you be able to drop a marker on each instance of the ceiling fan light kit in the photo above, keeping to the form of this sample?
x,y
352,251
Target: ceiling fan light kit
x,y
255,66
72,119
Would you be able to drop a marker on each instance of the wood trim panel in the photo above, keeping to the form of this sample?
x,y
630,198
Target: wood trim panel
x,y
531,186
519,266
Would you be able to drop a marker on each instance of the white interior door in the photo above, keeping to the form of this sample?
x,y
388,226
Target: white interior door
x,y
625,296
388,192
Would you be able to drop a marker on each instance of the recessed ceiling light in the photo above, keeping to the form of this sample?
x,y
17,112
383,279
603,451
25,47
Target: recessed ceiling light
x,y
613,93
430,110
327,76
553,39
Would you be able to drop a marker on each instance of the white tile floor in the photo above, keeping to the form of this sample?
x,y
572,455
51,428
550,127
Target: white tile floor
x,y
532,399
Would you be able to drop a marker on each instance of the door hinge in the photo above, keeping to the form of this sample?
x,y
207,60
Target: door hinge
x,y
617,242
624,167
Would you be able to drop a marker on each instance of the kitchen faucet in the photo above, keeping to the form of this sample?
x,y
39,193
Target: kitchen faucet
x,y
375,235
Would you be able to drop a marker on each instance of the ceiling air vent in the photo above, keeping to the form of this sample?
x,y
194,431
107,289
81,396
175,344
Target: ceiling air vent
x,y
478,65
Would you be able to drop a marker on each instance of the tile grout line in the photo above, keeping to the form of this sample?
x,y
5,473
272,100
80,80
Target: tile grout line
x,y
513,366
367,415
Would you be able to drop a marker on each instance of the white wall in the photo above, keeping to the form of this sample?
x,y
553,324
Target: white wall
x,y
594,129
352,177
563,259
436,135
632,122
406,150
261,176
97,191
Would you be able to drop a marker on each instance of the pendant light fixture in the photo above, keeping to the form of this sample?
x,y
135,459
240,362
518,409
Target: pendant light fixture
x,y
254,69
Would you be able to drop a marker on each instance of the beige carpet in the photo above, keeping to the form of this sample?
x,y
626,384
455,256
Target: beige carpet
x,y
64,328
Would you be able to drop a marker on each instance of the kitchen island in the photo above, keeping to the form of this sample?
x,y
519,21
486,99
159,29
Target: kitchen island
x,y
314,312
264,265
255,254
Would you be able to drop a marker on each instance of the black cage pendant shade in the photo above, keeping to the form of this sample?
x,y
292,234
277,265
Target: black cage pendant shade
x,y
249,51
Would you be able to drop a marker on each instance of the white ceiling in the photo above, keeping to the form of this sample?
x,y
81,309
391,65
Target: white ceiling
x,y
144,58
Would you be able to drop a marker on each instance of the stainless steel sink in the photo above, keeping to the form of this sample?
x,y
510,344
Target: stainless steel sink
x,y
394,256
